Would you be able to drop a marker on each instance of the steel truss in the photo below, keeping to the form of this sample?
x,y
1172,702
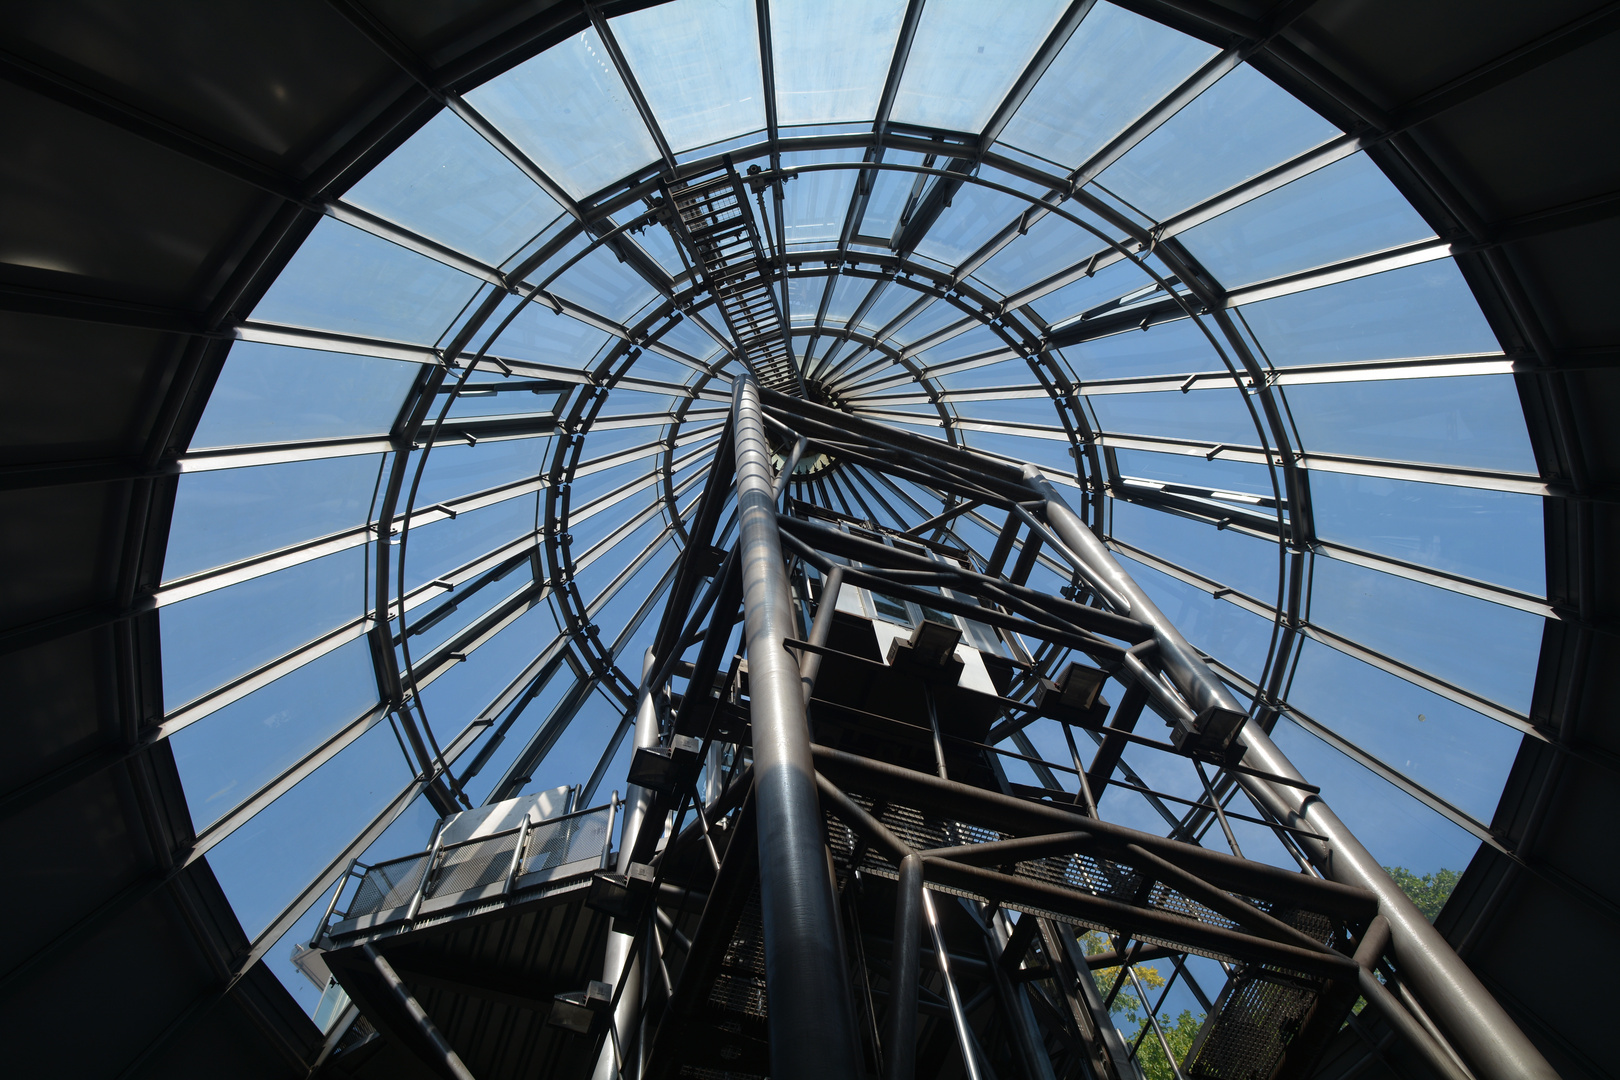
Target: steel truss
x,y
795,839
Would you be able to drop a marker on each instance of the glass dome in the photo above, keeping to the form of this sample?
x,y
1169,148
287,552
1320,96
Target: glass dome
x,y
428,518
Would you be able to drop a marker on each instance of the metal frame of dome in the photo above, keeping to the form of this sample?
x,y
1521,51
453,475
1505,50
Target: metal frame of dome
x,y
1578,498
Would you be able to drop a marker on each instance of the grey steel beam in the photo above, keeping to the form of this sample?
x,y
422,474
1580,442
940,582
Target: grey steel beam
x,y
1477,1025
813,1032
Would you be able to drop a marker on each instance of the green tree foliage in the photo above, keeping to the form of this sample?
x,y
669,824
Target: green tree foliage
x,y
1428,892
1179,1034
1133,1018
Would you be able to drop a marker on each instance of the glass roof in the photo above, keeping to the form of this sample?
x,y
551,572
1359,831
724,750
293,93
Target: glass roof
x,y
1021,305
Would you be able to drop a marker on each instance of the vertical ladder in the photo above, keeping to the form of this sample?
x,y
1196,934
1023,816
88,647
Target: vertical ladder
x,y
710,219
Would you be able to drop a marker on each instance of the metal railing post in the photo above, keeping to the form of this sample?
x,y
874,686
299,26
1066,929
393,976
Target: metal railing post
x,y
427,875
517,855
813,1031
1478,1027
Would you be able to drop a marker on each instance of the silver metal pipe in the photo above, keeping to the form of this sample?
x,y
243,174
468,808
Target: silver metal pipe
x,y
813,1031
964,1037
1020,1017
900,1045
1153,1018
424,1023
620,1056
820,629
1477,1026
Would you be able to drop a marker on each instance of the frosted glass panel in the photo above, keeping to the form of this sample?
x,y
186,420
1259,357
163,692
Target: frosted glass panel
x,y
697,62
965,58
449,184
1115,68
831,57
568,110
271,393
602,284
545,337
815,205
350,281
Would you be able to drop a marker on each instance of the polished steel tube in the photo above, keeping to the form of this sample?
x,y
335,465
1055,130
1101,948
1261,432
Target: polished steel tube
x,y
614,1061
964,1034
813,1030
1478,1027
900,1044
424,1023
821,629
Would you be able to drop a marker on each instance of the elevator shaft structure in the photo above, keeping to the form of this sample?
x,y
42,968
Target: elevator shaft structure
x,y
855,874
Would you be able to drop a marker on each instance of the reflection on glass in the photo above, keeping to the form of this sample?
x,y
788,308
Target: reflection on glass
x,y
568,110
1235,130
1113,70
965,57
449,184
830,57
697,62
815,204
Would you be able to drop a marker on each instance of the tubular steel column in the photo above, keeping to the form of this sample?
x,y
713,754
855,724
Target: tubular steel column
x,y
900,1042
627,1016
1479,1028
448,1058
812,1018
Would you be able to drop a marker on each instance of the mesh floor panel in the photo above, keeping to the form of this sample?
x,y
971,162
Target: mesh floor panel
x,y
1257,1020
471,866
1095,876
387,885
